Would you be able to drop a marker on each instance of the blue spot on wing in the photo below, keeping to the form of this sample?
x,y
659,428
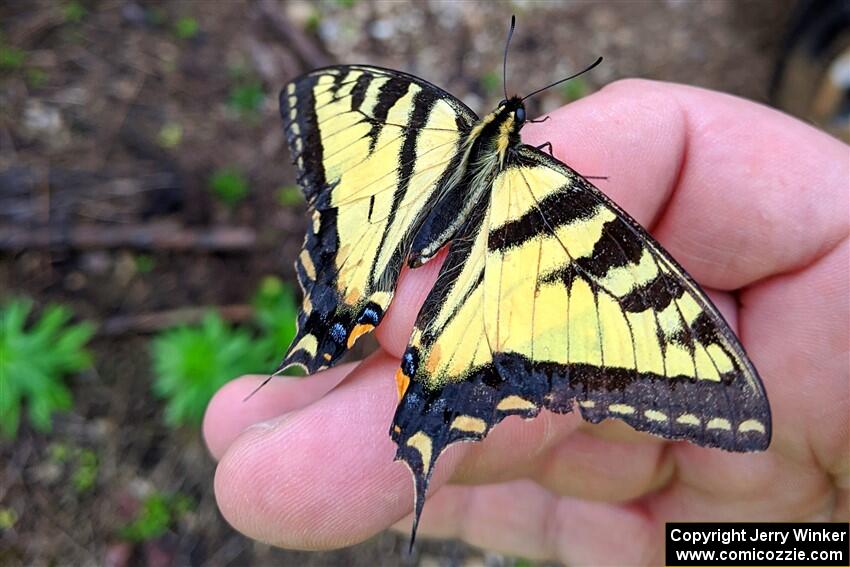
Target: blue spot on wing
x,y
338,333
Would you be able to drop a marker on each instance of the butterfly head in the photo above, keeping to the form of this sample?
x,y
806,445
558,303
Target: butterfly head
x,y
504,124
512,110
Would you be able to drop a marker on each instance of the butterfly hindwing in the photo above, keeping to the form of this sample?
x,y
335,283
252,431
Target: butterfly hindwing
x,y
371,147
553,296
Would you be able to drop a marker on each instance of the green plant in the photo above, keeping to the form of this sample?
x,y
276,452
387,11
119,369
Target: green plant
x,y
36,78
145,263
33,360
170,135
73,12
85,470
491,83
82,462
8,518
192,362
58,452
314,20
290,195
156,515
246,97
11,58
275,311
186,28
229,185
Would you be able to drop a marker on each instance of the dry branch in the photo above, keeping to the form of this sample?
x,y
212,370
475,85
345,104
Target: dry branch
x,y
159,320
295,39
163,235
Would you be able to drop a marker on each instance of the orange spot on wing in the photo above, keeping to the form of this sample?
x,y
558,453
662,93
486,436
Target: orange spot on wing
x,y
357,332
402,381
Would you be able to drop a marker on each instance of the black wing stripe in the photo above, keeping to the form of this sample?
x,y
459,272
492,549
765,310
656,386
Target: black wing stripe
x,y
616,248
390,93
563,207
358,93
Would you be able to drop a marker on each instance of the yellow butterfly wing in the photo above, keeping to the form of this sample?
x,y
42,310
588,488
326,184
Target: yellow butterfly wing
x,y
371,148
554,296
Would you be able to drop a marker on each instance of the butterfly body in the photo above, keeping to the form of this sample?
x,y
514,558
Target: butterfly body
x,y
550,297
484,149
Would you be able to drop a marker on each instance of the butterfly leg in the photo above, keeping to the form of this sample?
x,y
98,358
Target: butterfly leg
x,y
544,119
545,144
548,145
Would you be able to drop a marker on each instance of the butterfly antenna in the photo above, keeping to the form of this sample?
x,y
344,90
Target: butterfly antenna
x,y
505,60
583,71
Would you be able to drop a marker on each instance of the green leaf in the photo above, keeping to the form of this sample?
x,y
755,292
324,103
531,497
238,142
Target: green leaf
x,y
192,363
11,58
73,12
170,135
313,22
229,185
8,518
151,522
36,78
9,417
33,361
290,195
85,473
491,83
156,515
186,28
276,311
58,452
145,263
247,97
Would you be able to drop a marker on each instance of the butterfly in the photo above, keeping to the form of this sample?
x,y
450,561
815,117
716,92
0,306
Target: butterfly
x,y
551,296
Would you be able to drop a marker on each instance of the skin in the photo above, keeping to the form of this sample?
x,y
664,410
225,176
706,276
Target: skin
x,y
754,204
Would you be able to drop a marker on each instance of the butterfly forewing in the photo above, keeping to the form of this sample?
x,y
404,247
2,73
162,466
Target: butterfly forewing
x,y
371,148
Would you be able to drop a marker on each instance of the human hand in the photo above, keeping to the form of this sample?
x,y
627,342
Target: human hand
x,y
754,205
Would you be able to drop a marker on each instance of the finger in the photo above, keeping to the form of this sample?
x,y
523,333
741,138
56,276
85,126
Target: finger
x,y
632,136
798,326
229,413
802,345
323,476
411,291
521,518
752,192
568,463
714,485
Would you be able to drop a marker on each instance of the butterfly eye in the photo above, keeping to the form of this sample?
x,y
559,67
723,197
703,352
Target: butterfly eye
x,y
520,115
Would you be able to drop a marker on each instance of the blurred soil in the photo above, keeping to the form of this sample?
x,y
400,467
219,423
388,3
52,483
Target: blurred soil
x,y
109,134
